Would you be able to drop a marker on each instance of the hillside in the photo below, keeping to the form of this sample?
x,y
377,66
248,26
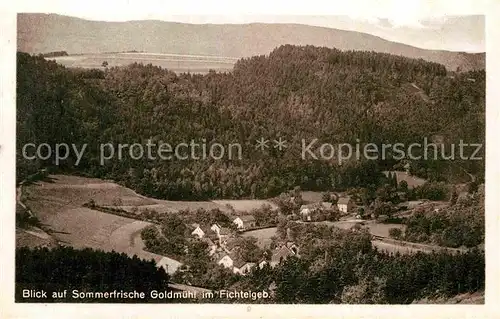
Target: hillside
x,y
295,93
42,33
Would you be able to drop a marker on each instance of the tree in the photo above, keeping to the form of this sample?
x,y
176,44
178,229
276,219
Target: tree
x,y
326,197
382,208
281,229
395,233
367,291
453,197
403,185
104,64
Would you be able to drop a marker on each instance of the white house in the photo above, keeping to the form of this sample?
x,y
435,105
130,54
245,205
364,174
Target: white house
x,y
345,204
262,263
237,265
226,261
244,222
243,267
198,232
305,212
216,228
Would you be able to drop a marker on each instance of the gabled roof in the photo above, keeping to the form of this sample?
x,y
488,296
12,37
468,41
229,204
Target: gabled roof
x,y
208,241
212,235
281,253
241,263
290,244
238,263
231,243
221,254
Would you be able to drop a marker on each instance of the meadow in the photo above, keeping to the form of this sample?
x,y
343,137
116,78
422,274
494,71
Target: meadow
x,y
178,63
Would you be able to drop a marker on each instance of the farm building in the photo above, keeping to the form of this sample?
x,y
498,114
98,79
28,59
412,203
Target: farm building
x,y
280,254
242,267
311,212
244,222
345,204
237,265
306,211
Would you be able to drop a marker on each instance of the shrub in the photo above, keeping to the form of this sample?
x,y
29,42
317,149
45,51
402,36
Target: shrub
x,y
395,233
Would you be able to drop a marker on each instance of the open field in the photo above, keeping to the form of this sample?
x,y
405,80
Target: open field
x,y
33,238
74,191
244,205
178,63
263,236
57,202
166,206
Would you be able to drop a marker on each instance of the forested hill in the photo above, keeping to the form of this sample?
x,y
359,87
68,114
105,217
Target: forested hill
x,y
42,33
295,92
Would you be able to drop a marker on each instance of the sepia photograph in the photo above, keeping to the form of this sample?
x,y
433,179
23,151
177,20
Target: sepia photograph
x,y
249,158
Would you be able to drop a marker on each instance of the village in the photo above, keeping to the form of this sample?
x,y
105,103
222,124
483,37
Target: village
x,y
242,240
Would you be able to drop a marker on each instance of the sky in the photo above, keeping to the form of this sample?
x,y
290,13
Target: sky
x,y
432,24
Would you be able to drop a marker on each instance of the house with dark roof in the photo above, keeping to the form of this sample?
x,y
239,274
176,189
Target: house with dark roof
x,y
242,267
235,263
244,222
280,254
345,204
230,244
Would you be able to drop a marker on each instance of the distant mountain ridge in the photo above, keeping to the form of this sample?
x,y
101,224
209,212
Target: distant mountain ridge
x,y
41,33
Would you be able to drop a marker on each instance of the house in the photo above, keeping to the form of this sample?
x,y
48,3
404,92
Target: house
x,y
280,255
306,211
225,261
242,267
345,204
244,222
198,231
262,263
237,265
230,244
215,227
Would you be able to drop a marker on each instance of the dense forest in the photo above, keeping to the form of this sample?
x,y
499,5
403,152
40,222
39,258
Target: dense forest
x,y
87,270
294,93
